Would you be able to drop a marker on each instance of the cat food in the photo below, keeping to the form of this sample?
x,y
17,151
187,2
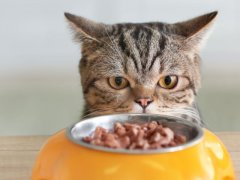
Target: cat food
x,y
150,135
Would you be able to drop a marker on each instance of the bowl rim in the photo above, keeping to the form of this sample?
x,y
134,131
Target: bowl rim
x,y
186,145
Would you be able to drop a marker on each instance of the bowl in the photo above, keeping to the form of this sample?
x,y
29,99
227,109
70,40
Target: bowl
x,y
66,156
78,131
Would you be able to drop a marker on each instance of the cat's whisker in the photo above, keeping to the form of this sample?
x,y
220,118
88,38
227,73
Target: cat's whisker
x,y
179,112
93,113
97,109
117,52
108,51
109,54
115,47
91,110
132,49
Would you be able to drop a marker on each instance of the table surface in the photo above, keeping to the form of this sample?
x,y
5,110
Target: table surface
x,y
17,154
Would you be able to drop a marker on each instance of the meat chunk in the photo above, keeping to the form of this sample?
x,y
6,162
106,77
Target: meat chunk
x,y
150,135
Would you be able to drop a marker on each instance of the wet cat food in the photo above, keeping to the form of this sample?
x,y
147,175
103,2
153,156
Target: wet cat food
x,y
150,135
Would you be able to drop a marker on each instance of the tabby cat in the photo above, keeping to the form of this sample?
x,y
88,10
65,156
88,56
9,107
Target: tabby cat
x,y
141,67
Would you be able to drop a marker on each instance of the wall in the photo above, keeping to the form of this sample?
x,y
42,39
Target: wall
x,y
40,89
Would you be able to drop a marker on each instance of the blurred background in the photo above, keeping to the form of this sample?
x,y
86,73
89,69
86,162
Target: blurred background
x,y
40,90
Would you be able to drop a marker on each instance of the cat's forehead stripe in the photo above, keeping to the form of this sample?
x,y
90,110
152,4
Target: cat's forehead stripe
x,y
139,42
127,51
142,36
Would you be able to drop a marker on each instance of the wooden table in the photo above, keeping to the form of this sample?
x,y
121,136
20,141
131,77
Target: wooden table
x,y
17,154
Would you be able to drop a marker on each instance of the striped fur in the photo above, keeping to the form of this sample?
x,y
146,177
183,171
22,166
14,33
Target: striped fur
x,y
141,53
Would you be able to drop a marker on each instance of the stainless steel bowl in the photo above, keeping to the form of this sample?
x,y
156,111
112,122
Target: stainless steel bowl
x,y
193,132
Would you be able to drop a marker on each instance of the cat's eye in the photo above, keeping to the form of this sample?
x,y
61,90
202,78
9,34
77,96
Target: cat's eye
x,y
168,82
118,82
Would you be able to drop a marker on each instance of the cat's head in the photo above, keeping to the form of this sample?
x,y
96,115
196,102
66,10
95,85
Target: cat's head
x,y
139,67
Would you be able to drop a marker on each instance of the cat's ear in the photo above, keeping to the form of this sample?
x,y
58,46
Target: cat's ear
x,y
196,30
86,29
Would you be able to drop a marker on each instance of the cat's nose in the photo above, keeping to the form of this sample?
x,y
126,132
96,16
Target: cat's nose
x,y
144,102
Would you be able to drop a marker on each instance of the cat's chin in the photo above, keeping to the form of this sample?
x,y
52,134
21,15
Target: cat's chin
x,y
149,110
145,111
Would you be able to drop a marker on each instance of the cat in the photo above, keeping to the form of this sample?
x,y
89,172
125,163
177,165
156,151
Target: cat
x,y
149,67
